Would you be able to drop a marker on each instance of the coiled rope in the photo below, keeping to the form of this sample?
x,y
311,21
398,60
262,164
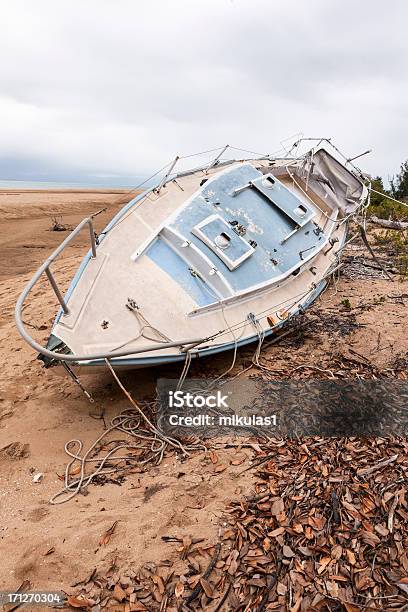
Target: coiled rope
x,y
145,436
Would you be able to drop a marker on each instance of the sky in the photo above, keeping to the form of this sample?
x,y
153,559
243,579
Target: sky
x,y
109,91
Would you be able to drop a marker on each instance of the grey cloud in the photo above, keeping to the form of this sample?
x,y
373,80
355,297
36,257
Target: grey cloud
x,y
119,87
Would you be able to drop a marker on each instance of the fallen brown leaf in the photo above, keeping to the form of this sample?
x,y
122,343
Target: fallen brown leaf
x,y
207,588
78,602
118,593
105,538
179,589
213,457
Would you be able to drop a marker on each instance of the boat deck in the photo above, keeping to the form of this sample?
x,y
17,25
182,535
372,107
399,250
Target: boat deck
x,y
166,254
209,259
265,238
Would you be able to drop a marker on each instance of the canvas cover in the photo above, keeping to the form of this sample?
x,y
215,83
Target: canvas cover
x,y
332,179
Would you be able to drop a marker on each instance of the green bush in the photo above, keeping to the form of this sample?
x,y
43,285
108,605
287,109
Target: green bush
x,y
399,183
383,207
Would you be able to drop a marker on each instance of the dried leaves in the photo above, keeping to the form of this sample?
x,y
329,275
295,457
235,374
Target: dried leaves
x,y
327,529
330,521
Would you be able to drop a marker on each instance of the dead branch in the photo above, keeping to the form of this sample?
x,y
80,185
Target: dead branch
x,y
389,223
377,466
99,212
196,592
373,255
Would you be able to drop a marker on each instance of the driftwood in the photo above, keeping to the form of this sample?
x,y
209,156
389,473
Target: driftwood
x,y
389,224
98,212
58,225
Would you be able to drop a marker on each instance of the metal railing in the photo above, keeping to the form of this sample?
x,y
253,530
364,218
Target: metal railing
x,y
45,268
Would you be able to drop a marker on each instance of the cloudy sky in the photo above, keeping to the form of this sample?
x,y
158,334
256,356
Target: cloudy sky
x,y
108,91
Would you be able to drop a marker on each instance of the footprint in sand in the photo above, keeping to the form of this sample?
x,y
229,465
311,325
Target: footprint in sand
x,y
38,514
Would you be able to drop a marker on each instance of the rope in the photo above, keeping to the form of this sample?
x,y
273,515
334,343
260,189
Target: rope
x,y
144,182
127,421
230,329
171,441
126,193
145,324
130,422
234,356
242,324
184,371
388,197
248,151
201,153
261,337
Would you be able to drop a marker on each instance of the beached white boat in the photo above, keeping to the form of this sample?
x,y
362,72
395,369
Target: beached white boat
x,y
205,261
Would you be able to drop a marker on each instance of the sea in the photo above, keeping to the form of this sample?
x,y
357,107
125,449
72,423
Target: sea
x,y
11,184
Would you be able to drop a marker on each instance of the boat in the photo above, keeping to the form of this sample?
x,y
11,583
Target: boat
x,y
204,261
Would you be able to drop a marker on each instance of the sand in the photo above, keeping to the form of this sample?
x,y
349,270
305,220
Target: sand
x,y
40,412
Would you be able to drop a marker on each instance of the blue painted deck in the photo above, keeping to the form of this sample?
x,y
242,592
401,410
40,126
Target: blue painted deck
x,y
265,223
164,256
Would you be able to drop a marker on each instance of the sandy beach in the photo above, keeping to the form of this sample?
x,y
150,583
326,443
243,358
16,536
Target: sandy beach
x,y
40,412
56,546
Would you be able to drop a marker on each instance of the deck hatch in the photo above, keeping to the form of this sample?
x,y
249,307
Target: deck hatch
x,y
296,210
221,238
